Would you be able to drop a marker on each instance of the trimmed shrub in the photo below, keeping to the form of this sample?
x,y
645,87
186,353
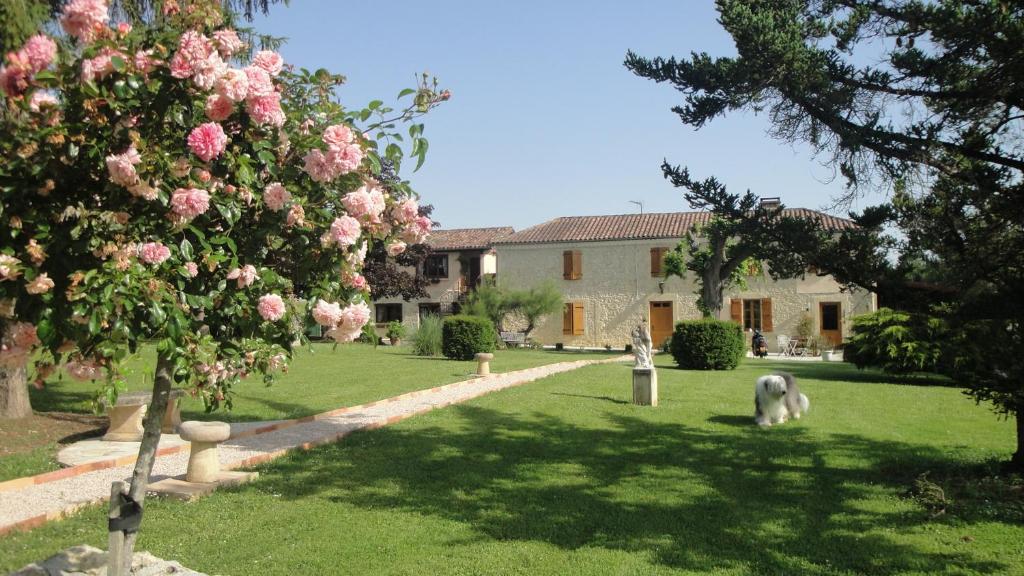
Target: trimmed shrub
x,y
464,336
897,342
707,345
426,341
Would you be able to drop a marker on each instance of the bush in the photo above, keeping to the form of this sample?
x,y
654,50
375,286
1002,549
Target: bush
x,y
396,330
428,337
464,336
896,342
707,345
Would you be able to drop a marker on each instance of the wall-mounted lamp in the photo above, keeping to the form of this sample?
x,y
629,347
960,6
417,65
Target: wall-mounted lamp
x,y
661,286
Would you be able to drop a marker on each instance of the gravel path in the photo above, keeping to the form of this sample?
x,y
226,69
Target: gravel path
x,y
35,504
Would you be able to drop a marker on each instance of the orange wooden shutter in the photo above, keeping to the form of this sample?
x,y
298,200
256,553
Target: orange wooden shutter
x,y
766,315
567,264
736,310
577,265
657,255
577,319
567,318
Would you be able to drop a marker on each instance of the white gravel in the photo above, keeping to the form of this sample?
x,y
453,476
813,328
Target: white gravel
x,y
63,496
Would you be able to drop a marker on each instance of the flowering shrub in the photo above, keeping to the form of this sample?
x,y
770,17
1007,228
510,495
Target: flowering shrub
x,y
159,185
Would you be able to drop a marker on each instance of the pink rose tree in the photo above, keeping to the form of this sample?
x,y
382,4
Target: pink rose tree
x,y
160,187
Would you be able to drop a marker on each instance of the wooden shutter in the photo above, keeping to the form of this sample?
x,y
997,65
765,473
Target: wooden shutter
x,y
577,319
577,265
736,310
567,318
657,256
567,264
766,315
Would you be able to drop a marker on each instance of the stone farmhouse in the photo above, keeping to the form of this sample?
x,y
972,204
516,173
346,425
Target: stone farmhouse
x,y
460,260
609,270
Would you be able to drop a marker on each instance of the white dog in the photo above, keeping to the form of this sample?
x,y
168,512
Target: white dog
x,y
778,398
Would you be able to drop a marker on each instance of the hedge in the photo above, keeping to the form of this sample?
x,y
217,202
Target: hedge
x,y
707,345
463,336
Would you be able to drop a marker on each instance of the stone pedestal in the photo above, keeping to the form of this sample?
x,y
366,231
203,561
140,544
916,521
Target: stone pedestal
x,y
125,423
172,417
483,359
203,465
645,387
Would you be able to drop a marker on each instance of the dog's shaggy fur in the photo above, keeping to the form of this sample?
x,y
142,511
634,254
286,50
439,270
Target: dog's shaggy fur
x,y
777,398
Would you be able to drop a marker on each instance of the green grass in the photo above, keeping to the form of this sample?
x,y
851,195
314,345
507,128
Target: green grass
x,y
30,463
566,476
318,380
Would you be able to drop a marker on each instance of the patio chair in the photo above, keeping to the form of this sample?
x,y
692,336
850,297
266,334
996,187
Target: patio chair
x,y
783,342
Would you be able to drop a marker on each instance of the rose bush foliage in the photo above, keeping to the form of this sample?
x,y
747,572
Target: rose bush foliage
x,y
159,184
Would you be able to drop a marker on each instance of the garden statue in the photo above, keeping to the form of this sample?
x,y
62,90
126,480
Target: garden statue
x,y
645,377
642,347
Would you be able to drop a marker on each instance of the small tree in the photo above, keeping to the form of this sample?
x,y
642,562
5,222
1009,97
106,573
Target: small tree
x,y
535,303
156,189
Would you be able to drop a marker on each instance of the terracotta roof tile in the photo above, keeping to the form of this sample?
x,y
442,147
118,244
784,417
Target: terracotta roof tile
x,y
635,226
467,238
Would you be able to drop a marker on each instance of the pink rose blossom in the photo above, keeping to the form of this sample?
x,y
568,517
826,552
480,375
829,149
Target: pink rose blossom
x,y
233,85
13,80
405,211
154,252
144,61
123,28
180,66
39,285
417,231
39,51
9,267
316,166
260,83
276,196
83,18
396,248
205,73
344,231
194,46
358,282
338,135
296,216
218,108
143,190
271,307
353,318
365,204
343,160
191,269
327,314
190,202
99,67
207,141
227,41
357,257
265,110
121,167
84,370
269,61
16,345
40,100
181,168
245,275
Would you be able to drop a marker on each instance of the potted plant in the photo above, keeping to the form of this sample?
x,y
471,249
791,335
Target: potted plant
x,y
395,332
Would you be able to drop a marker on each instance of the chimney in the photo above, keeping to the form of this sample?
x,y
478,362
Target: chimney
x,y
771,202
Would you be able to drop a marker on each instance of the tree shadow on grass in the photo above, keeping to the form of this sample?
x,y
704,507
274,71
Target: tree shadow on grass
x,y
687,498
745,421
841,371
604,398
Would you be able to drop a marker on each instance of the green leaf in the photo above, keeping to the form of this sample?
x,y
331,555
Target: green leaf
x,y
117,62
406,92
267,157
186,249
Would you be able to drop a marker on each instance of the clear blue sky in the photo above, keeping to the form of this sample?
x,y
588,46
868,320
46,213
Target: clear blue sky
x,y
544,120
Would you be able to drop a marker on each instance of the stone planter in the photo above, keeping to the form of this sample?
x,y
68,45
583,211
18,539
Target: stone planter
x,y
645,387
826,356
395,341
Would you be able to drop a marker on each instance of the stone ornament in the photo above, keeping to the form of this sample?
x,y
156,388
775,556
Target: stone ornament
x,y
642,347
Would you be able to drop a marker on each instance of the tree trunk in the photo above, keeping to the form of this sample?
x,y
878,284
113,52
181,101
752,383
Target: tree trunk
x,y
711,294
125,535
14,400
1018,457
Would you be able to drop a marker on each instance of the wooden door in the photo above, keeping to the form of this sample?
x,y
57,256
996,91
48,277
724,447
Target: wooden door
x,y
661,323
831,320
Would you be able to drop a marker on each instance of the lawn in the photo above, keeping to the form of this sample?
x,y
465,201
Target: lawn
x,y
321,378
565,476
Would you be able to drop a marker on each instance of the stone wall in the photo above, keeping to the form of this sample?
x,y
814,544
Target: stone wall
x,y
616,289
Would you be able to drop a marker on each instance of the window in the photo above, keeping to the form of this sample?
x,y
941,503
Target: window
x,y
429,309
572,319
388,312
752,313
572,265
436,266
657,259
